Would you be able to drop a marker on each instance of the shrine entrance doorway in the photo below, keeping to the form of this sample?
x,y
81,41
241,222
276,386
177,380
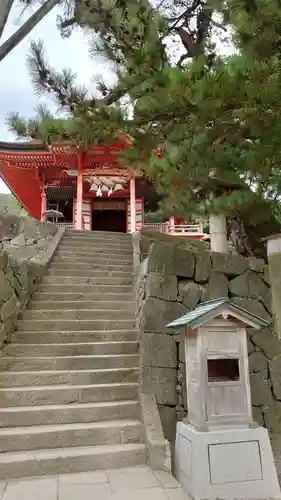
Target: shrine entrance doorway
x,y
109,216
109,220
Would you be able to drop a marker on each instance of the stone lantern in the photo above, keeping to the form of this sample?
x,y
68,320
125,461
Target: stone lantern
x,y
220,452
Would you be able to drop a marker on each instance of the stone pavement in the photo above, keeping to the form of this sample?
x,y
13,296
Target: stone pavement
x,y
135,483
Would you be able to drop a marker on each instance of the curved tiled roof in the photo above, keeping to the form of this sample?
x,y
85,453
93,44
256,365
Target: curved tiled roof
x,y
27,146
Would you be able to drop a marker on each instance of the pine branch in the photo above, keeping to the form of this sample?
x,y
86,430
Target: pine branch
x,y
5,8
62,85
185,15
43,113
67,23
24,129
16,124
26,28
43,126
48,81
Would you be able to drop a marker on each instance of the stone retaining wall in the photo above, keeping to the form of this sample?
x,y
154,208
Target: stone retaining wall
x,y
174,276
26,246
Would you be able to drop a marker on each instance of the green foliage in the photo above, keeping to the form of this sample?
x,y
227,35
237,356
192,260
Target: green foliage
x,y
155,217
218,126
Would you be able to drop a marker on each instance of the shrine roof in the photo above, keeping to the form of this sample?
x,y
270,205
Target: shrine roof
x,y
209,310
20,147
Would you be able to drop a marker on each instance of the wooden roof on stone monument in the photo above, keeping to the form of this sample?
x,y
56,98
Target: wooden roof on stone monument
x,y
209,310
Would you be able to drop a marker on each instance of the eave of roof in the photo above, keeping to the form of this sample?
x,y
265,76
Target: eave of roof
x,y
30,146
208,310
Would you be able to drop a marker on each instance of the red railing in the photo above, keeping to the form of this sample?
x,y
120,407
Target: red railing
x,y
187,230
176,229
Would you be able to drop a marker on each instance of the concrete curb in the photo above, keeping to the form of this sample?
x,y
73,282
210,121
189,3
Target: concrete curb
x,y
158,448
136,252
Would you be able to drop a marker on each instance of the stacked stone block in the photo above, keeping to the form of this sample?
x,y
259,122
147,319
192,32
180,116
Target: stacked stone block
x,y
23,245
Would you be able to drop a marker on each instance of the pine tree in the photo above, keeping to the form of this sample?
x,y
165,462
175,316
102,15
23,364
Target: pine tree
x,y
217,124
129,34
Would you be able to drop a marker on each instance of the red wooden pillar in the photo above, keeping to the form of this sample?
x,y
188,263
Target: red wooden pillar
x,y
79,224
133,204
43,203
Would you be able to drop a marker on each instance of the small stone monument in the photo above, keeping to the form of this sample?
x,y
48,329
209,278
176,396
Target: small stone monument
x,y
220,451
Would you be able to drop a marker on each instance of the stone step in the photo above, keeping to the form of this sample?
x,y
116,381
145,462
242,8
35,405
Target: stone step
x,y
81,253
93,236
64,257
73,349
97,242
91,245
90,266
53,337
86,280
96,253
66,394
67,460
62,414
114,309
69,435
97,362
73,377
86,301
34,325
97,234
89,273
94,249
72,254
76,314
91,289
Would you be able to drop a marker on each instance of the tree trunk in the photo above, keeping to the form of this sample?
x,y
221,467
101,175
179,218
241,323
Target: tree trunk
x,y
218,233
239,236
5,8
28,26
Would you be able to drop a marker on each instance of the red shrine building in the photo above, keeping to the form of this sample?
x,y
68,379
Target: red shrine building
x,y
89,187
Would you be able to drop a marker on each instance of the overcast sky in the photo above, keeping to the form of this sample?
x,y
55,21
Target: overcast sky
x,y
16,93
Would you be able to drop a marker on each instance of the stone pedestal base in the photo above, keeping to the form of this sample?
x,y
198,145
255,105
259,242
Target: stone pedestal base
x,y
229,464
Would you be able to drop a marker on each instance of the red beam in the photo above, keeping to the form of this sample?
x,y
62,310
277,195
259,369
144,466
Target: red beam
x,y
26,186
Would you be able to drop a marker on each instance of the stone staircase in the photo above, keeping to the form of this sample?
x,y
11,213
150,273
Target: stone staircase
x,y
69,380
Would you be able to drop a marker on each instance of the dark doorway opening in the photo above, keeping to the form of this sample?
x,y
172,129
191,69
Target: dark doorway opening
x,y
109,220
66,207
